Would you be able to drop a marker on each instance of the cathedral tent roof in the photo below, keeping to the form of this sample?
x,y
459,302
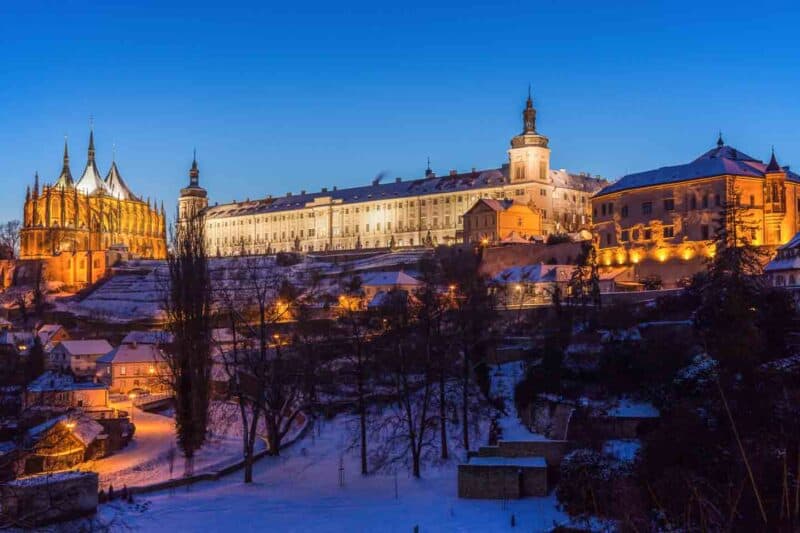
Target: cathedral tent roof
x,y
90,181
116,185
718,161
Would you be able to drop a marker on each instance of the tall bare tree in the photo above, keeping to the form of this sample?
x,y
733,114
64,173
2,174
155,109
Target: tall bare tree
x,y
357,327
188,306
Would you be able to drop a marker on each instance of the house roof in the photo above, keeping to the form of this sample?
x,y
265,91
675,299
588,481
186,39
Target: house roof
x,y
116,185
86,347
378,279
535,274
428,185
57,382
133,353
85,429
147,337
47,331
718,161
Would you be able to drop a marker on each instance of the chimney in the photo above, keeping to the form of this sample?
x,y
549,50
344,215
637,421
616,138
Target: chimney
x,y
453,172
302,191
288,195
398,180
334,188
324,189
474,170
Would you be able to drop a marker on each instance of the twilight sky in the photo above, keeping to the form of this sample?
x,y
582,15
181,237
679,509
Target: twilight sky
x,y
299,95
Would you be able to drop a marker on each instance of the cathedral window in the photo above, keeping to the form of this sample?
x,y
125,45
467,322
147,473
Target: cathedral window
x,y
624,235
647,208
669,204
704,232
669,232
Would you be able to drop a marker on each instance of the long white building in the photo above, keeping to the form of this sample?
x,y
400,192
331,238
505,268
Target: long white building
x,y
423,211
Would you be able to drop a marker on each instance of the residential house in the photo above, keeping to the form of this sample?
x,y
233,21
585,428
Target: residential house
x,y
491,221
784,269
63,442
375,283
50,335
55,389
134,368
80,356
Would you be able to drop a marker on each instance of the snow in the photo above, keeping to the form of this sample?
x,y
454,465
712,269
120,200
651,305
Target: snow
x,y
531,462
622,449
631,409
504,379
56,381
44,479
300,491
145,460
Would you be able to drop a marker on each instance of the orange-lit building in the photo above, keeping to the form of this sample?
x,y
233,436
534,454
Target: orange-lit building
x,y
491,221
72,225
663,220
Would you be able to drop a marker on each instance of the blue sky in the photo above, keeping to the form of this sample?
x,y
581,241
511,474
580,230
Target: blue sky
x,y
300,95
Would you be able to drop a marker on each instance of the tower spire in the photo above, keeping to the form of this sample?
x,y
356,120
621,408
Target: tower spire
x,y
428,171
194,173
65,178
529,115
720,142
773,165
91,144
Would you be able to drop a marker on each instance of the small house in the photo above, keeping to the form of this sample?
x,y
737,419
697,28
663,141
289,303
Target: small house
x,y
134,368
55,389
79,356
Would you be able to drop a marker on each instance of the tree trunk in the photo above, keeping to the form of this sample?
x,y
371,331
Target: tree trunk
x,y
362,414
443,413
465,400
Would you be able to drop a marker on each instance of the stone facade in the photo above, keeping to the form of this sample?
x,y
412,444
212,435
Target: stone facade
x,y
71,225
39,500
663,220
502,478
425,211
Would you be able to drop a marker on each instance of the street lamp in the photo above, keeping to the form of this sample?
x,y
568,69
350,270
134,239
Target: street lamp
x,y
70,425
131,397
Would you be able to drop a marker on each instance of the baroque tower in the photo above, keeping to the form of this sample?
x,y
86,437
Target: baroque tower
x,y
529,156
193,199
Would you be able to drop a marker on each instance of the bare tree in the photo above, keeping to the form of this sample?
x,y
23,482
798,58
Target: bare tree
x,y
188,309
407,428
357,328
9,236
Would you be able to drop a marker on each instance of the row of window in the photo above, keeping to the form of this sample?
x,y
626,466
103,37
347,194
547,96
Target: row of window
x,y
607,208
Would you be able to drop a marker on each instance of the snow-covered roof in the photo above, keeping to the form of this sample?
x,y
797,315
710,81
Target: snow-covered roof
x,y
536,273
47,331
15,338
428,185
718,161
52,381
86,347
147,337
133,353
86,429
787,256
394,279
51,477
631,409
529,462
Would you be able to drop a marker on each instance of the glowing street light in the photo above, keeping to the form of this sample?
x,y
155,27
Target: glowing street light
x,y
70,425
132,396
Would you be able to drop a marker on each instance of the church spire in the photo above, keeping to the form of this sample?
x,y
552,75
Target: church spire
x,y
773,163
720,142
529,115
194,173
91,145
65,178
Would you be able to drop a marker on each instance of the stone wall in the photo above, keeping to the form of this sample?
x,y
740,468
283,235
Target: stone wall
x,y
501,481
553,451
39,500
495,259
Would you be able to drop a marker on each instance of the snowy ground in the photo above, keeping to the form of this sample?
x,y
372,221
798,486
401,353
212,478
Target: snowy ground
x,y
300,491
146,459
504,379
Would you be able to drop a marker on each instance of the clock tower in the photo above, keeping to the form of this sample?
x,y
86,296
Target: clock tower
x,y
193,199
529,156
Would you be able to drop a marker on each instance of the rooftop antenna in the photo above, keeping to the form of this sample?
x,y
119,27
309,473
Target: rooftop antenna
x,y
113,152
